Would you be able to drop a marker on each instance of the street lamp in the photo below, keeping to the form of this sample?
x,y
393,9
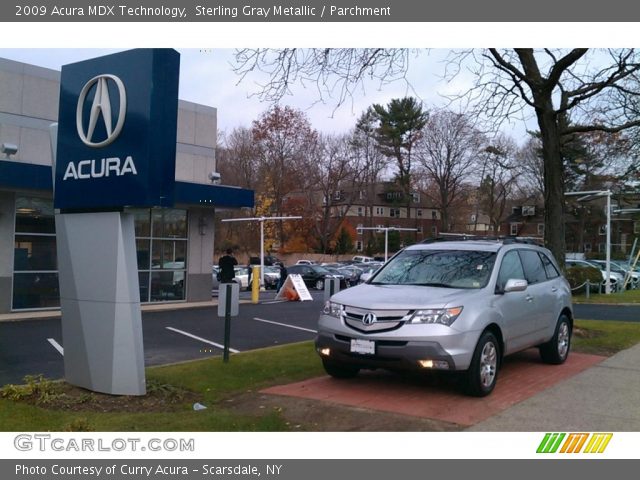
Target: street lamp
x,y
261,220
386,235
588,196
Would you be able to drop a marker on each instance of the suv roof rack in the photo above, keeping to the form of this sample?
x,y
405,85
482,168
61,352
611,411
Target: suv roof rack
x,y
457,237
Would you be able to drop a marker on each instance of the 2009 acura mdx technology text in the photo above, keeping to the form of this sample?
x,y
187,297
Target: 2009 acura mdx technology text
x,y
451,305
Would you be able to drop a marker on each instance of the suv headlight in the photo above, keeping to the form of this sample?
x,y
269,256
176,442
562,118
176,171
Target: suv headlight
x,y
333,309
443,316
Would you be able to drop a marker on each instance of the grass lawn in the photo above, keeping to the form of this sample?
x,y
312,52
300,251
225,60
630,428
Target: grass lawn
x,y
604,337
213,383
210,380
628,296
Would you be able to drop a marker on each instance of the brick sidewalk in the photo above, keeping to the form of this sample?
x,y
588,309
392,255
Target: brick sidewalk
x,y
522,376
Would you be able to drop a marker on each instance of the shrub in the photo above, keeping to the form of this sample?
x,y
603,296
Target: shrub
x,y
578,276
37,388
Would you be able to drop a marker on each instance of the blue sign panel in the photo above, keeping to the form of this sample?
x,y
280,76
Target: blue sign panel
x,y
117,131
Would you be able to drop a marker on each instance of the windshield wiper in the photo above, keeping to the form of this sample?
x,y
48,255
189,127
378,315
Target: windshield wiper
x,y
432,284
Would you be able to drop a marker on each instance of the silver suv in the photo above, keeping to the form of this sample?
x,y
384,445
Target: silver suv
x,y
453,306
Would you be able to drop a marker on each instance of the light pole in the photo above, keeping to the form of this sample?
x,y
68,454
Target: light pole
x,y
590,195
386,235
261,220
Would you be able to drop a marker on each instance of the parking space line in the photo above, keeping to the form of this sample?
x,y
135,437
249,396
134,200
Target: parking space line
x,y
284,325
56,345
204,340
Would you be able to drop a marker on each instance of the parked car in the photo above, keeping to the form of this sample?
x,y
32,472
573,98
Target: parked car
x,y
241,276
615,279
271,277
458,306
362,259
306,262
368,272
314,276
622,270
268,260
351,273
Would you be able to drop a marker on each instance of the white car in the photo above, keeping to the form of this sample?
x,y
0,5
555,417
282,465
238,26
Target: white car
x,y
615,279
362,259
241,277
623,270
306,262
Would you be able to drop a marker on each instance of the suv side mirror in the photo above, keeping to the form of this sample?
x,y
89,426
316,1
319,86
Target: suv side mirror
x,y
515,285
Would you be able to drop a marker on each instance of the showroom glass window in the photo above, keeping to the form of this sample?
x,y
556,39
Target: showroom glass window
x,y
35,266
161,244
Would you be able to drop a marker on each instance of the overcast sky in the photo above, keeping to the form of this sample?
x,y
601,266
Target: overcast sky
x,y
206,77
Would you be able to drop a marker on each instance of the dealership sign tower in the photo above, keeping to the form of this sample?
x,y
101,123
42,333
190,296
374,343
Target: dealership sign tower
x,y
116,146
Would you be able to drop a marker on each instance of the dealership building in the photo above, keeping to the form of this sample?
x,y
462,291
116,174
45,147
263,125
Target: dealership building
x,y
174,245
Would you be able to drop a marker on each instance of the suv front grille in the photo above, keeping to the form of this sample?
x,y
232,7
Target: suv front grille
x,y
384,320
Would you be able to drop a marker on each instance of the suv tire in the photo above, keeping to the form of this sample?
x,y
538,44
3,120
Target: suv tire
x,y
556,350
482,374
337,370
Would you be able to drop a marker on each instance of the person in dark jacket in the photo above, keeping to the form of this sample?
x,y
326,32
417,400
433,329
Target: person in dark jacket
x,y
226,264
283,275
249,274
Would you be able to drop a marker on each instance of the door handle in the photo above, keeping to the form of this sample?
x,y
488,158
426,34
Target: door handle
x,y
529,298
554,289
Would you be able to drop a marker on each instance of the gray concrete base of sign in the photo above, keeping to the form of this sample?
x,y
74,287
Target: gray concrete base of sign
x,y
100,301
5,294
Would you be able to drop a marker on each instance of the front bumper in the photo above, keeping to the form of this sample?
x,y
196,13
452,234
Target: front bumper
x,y
389,354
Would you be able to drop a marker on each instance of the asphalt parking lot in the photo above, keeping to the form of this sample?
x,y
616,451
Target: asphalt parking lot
x,y
36,347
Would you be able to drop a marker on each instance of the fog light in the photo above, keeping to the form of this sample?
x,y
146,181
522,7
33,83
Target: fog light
x,y
426,363
436,364
325,352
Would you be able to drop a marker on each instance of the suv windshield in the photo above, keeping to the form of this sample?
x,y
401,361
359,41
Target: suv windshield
x,y
438,268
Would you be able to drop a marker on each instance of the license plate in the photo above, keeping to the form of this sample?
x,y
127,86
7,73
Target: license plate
x,y
365,347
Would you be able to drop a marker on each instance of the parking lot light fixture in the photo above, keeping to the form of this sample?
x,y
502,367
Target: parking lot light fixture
x,y
386,235
261,220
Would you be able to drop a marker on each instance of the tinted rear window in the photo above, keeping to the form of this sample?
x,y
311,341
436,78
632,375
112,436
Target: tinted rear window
x,y
549,268
533,268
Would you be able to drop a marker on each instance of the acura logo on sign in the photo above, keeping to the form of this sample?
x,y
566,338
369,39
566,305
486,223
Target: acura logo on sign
x,y
101,107
369,319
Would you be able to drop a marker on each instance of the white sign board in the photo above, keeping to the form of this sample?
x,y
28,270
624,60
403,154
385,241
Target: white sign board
x,y
228,298
294,289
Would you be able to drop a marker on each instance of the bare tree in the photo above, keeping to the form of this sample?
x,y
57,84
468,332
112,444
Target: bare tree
x,y
335,72
529,157
447,152
284,139
498,178
337,178
237,159
568,91
237,162
573,91
368,155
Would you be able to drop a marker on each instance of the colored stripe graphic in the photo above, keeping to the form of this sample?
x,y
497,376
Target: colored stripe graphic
x,y
598,442
550,443
574,443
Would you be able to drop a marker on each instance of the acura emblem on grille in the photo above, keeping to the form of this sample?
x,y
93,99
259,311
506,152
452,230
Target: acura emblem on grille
x,y
369,319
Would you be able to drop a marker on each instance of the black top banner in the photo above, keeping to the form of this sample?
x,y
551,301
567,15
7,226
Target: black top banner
x,y
320,11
